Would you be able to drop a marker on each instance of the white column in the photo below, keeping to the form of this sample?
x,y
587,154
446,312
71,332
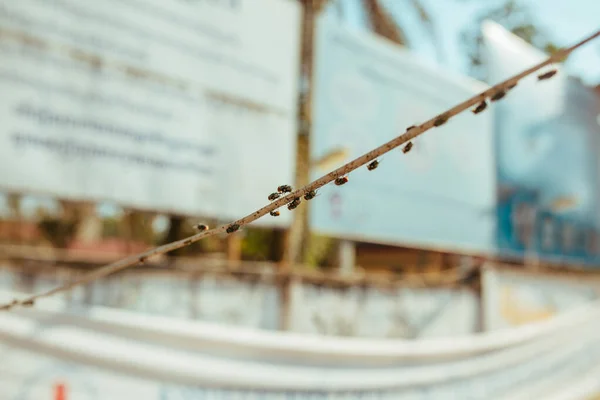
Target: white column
x,y
347,257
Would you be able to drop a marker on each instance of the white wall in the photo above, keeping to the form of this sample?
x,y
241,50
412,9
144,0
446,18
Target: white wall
x,y
513,298
105,354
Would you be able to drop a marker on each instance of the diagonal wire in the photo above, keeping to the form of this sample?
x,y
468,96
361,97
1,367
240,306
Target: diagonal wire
x,y
495,92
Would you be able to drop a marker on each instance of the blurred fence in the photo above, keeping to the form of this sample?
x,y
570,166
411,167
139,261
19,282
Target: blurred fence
x,y
261,295
402,312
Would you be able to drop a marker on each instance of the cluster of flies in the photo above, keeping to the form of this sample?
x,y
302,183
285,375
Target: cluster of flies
x,y
282,190
341,180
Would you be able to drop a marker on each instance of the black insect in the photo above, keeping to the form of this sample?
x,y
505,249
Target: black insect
x,y
480,107
275,213
294,203
410,127
274,196
441,120
28,303
547,75
407,147
201,227
341,180
284,189
310,195
373,165
142,260
498,95
232,228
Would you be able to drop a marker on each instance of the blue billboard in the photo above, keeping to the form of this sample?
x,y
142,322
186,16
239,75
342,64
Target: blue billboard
x,y
547,143
521,178
440,194
525,228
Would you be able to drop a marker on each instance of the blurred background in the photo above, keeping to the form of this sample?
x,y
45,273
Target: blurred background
x,y
125,123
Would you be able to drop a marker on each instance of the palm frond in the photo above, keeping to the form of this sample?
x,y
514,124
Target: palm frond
x,y
382,22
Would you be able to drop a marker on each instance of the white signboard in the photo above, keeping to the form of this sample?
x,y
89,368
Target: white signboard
x,y
170,105
440,194
105,354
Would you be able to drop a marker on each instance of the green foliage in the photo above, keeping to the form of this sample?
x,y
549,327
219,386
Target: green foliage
x,y
58,231
320,251
264,244
111,227
256,245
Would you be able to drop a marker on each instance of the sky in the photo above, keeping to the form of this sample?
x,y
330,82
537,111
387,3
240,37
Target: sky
x,y
570,21
566,22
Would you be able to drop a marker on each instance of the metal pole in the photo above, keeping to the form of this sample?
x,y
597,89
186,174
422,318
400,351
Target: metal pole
x,y
531,259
